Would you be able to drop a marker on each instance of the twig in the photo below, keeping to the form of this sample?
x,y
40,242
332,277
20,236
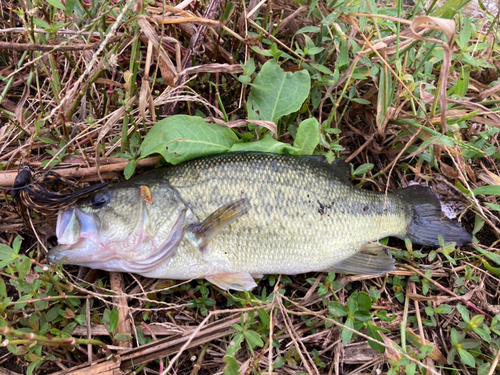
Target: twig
x,y
7,179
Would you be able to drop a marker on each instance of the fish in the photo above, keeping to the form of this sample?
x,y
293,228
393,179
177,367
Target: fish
x,y
234,217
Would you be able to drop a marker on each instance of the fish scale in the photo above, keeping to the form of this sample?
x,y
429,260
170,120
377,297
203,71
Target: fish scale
x,y
231,217
284,232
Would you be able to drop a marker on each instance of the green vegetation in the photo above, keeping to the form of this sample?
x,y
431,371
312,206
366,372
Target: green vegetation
x,y
400,96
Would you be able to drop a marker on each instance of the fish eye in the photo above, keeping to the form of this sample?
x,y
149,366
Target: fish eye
x,y
98,200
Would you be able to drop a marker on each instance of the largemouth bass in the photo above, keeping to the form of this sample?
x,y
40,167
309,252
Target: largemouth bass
x,y
233,217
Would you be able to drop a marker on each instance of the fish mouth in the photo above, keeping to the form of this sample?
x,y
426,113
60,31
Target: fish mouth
x,y
77,233
79,244
74,224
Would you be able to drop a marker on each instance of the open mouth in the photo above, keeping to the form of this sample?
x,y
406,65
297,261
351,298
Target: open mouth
x,y
79,244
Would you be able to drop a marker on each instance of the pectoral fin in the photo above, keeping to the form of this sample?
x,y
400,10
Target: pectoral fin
x,y
238,281
203,232
370,259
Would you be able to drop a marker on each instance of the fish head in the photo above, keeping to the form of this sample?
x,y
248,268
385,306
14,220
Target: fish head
x,y
132,227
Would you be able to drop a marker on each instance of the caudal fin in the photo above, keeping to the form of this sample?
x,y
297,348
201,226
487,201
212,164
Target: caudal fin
x,y
428,221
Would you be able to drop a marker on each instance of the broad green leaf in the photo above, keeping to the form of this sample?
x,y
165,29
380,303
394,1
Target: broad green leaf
x,y
266,144
57,4
180,138
465,34
232,365
483,333
364,302
264,317
276,93
47,140
123,336
308,29
464,312
363,168
6,252
16,244
23,265
235,345
307,137
337,309
363,316
21,305
129,169
372,331
347,335
487,190
493,206
491,256
110,319
253,338
466,358
443,309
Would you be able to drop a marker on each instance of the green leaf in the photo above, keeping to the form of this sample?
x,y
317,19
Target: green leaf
x,y
180,138
455,337
232,366
129,169
110,319
466,358
70,7
364,168
47,140
235,345
443,309
487,190
372,331
23,265
4,303
363,316
21,305
122,336
16,244
245,79
308,29
337,309
364,301
464,312
307,137
57,4
276,93
264,317
477,320
491,256
465,34
493,206
483,333
266,144
3,288
253,338
347,335
6,252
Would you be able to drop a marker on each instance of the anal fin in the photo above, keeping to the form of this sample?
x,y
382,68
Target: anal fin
x,y
238,281
370,259
203,232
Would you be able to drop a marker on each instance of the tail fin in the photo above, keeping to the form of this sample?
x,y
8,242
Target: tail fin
x,y
428,221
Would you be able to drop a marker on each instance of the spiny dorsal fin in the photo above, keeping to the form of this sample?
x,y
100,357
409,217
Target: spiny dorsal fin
x,y
370,259
211,226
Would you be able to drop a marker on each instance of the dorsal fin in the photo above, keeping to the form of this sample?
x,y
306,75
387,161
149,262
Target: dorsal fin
x,y
338,167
